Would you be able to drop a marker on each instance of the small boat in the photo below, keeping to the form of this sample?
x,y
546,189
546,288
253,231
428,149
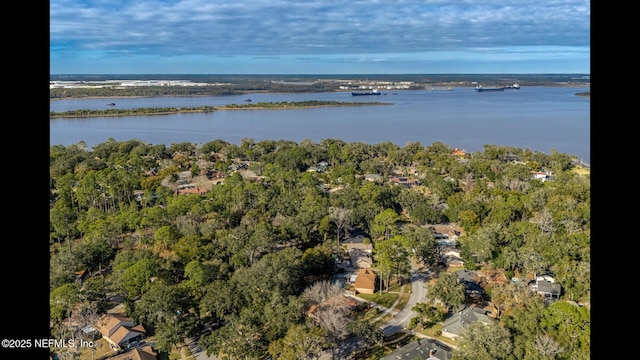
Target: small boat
x,y
479,88
111,104
362,93
515,86
441,89
247,100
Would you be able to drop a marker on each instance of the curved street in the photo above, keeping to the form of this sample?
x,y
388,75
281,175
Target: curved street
x,y
418,294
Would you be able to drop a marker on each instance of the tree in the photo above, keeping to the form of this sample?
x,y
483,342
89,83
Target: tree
x,y
385,224
506,298
483,243
318,263
448,291
332,316
481,341
82,315
301,342
136,279
571,326
547,347
61,219
427,315
61,299
320,292
167,308
340,217
422,243
392,254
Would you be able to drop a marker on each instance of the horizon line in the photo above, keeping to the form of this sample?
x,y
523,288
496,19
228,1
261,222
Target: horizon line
x,y
315,74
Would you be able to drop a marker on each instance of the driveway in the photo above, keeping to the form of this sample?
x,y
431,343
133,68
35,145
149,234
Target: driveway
x,y
197,352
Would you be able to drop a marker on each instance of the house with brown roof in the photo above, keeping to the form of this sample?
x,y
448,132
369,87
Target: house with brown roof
x,y
120,330
191,190
404,181
365,282
138,353
359,251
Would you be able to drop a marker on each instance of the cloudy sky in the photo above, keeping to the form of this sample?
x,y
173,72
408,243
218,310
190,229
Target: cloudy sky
x,y
319,36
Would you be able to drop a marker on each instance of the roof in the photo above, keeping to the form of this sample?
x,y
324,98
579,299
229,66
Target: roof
x,y
469,279
124,334
109,323
139,353
192,190
456,323
424,349
366,279
547,287
119,328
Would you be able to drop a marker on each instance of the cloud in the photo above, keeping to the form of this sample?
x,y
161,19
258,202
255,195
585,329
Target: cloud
x,y
288,27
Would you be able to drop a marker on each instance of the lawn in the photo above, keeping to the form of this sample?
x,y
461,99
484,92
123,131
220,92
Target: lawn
x,y
434,332
389,297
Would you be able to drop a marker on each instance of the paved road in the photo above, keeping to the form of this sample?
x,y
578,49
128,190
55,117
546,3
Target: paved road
x,y
418,294
398,323
400,320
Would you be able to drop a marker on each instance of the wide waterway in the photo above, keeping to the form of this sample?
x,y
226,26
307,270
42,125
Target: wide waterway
x,y
536,118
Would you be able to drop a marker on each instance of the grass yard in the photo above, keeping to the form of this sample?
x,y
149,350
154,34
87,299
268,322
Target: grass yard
x,y
433,333
581,171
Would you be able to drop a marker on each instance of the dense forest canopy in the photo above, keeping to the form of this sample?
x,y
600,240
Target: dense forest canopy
x,y
239,239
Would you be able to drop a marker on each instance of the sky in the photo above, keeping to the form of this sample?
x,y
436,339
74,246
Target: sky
x,y
319,36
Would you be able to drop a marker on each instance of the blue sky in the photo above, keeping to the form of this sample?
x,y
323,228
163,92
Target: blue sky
x,y
319,36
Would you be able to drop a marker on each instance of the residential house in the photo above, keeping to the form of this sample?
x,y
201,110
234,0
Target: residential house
x,y
403,181
541,175
453,326
120,330
546,287
458,152
360,258
471,281
365,282
214,174
359,251
373,177
422,349
138,353
82,276
191,190
450,256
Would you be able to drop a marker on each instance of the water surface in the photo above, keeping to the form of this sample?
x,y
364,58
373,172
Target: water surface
x,y
538,118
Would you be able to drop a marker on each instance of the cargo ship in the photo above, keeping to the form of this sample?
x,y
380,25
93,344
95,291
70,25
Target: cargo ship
x,y
493,88
362,93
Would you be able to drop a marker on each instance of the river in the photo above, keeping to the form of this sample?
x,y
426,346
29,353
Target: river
x,y
541,119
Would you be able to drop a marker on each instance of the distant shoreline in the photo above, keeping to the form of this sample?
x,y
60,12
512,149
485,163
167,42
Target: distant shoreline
x,y
171,111
453,87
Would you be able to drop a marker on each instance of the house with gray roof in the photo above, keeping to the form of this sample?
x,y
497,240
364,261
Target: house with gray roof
x,y
453,326
548,289
422,349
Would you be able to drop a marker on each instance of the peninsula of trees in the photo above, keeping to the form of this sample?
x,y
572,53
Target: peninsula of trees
x,y
236,245
200,109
